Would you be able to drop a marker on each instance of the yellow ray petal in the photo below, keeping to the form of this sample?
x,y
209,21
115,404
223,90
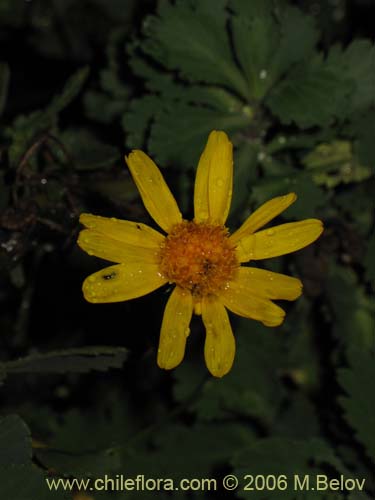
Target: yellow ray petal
x,y
214,180
278,240
175,329
132,233
154,191
220,346
122,282
100,245
264,214
241,301
267,284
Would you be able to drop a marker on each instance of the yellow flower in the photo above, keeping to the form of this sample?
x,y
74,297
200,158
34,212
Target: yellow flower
x,y
200,257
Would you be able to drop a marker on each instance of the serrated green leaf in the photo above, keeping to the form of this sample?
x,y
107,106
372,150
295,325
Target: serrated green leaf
x,y
137,119
313,93
288,458
268,41
359,402
255,37
298,37
209,58
78,360
359,59
191,126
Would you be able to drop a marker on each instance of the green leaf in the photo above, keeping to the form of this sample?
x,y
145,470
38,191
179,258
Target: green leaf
x,y
27,129
310,197
88,152
89,442
252,388
353,311
209,58
137,119
359,402
20,479
4,84
255,37
286,457
268,41
359,60
77,360
15,441
334,163
71,89
191,113
313,93
191,126
24,482
178,451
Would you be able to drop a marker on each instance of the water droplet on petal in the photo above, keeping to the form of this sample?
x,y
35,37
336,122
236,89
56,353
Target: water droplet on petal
x,y
270,232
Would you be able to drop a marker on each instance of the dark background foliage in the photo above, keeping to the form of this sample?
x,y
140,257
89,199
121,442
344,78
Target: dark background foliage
x,y
81,83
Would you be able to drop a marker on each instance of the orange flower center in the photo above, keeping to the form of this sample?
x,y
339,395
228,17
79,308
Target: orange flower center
x,y
198,258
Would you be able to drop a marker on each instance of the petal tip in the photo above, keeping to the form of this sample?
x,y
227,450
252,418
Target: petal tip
x,y
84,219
276,320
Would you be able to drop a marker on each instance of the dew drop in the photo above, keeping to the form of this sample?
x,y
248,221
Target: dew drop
x,y
263,74
187,332
270,232
109,276
219,182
